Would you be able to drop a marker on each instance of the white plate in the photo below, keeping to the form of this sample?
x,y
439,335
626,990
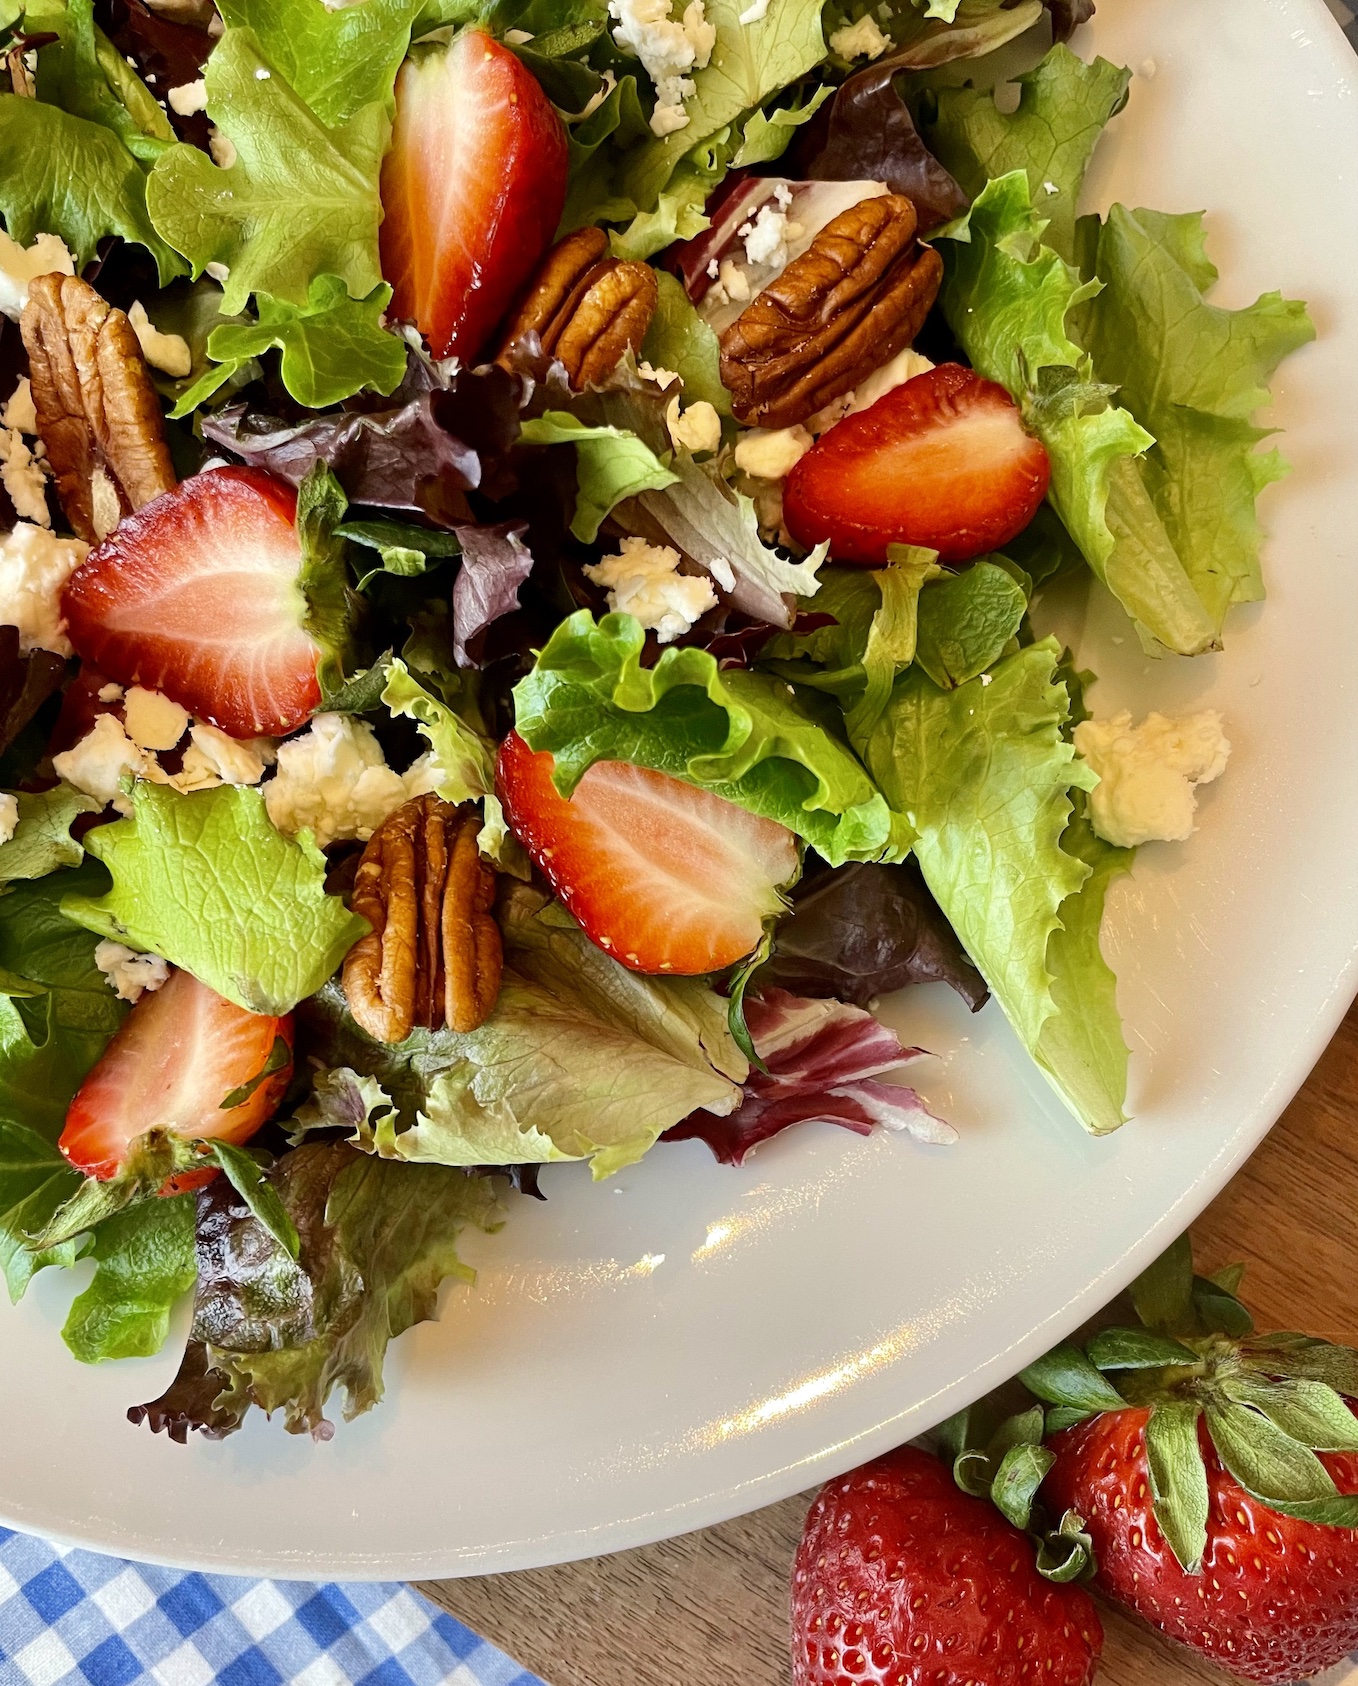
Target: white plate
x,y
689,1341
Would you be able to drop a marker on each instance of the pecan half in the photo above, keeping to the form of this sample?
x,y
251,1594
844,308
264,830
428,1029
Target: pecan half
x,y
585,307
98,413
434,954
855,297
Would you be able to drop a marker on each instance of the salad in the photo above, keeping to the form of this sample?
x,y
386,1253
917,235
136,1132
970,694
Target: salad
x,y
523,543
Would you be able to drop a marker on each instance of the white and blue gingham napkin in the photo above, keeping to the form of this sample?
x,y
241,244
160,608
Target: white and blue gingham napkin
x,y
75,1618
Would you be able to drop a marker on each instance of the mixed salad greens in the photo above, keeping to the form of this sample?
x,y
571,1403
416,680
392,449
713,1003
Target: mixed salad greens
x,y
521,546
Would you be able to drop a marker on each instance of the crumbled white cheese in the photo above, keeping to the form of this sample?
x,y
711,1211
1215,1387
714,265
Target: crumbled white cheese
x,y
19,265
334,780
152,720
21,474
644,580
731,283
772,453
19,412
1147,773
518,37
223,150
766,238
34,565
131,974
261,74
105,510
110,692
755,13
697,429
188,98
168,352
860,40
661,377
98,763
596,99
668,48
213,758
904,366
9,816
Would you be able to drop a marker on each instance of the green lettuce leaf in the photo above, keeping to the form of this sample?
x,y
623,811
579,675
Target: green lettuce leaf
x,y
1063,107
596,145
768,134
1007,297
337,60
946,30
983,774
34,1181
82,73
580,1059
301,199
332,348
145,1264
206,881
465,760
965,622
679,339
78,180
611,464
42,840
739,733
57,1011
1193,374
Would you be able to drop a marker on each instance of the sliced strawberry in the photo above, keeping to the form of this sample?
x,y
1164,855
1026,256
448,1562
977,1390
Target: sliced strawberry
x,y
662,875
472,189
196,595
179,1054
942,461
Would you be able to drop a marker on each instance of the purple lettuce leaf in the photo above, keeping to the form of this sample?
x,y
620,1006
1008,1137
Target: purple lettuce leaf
x,y
823,1059
495,563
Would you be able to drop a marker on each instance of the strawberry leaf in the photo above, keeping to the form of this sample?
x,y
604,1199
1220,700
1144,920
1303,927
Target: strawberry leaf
x,y
1308,1359
1067,1552
1178,1478
1017,1480
1137,1349
1266,1462
245,1174
1310,1412
1218,1310
1065,1416
1163,1292
1064,1376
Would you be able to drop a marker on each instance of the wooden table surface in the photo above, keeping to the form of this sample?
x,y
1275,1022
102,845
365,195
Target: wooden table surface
x,y
710,1609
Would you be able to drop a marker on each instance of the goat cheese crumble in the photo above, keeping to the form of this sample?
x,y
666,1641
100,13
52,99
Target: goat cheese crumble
x,y
766,237
334,781
860,40
644,580
21,264
23,477
152,720
129,974
698,428
188,98
1148,774
19,412
668,48
101,760
9,816
167,352
34,565
772,453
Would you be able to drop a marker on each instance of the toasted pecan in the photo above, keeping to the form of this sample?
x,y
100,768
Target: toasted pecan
x,y
586,308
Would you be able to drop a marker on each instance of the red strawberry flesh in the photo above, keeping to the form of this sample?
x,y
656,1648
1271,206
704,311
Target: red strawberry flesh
x,y
472,190
662,875
942,461
901,1579
178,1055
196,595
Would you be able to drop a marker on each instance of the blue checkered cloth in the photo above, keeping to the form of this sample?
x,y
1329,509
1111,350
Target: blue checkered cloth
x,y
75,1618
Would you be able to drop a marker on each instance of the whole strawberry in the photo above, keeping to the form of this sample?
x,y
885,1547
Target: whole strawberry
x,y
901,1579
1216,1481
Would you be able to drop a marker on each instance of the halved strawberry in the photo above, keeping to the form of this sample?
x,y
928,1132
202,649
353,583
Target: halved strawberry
x,y
196,594
180,1053
942,461
472,189
664,876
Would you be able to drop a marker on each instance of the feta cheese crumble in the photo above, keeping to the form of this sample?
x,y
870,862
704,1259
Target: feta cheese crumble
x,y
167,352
333,780
223,150
698,428
9,816
100,761
644,580
19,265
34,565
772,453
1148,773
19,412
213,758
860,40
668,48
21,474
152,721
105,509
767,237
130,974
188,98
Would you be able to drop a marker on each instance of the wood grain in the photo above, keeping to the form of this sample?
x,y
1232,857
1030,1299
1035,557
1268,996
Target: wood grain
x,y
710,1609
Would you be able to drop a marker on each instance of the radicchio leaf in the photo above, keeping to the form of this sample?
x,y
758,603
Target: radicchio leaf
x,y
866,133
822,1060
864,930
495,563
